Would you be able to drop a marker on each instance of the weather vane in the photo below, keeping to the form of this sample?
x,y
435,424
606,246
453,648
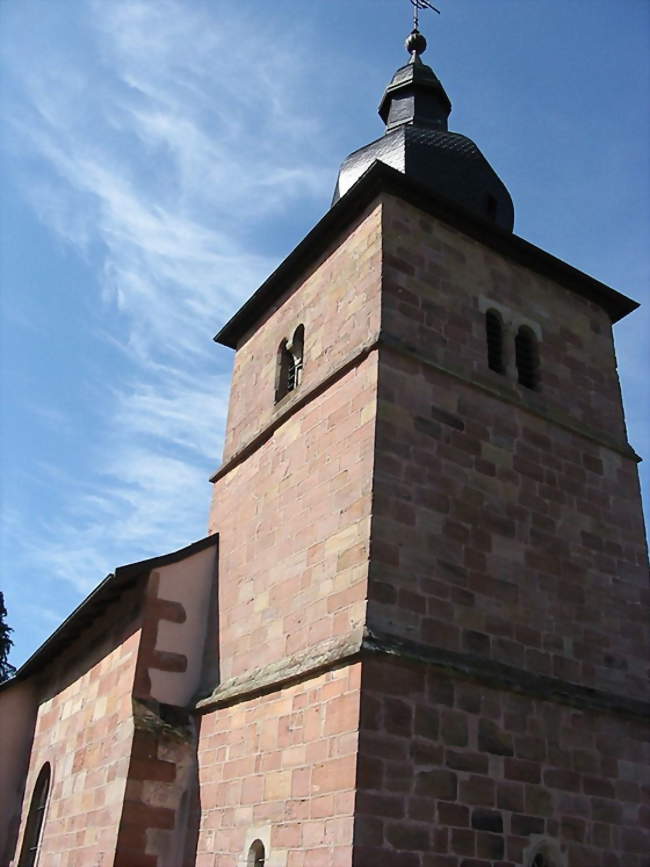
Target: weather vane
x,y
417,6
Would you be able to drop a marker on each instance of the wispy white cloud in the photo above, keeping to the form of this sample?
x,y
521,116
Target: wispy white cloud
x,y
151,161
176,411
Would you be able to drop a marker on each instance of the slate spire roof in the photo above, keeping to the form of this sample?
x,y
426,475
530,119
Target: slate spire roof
x,y
415,94
417,142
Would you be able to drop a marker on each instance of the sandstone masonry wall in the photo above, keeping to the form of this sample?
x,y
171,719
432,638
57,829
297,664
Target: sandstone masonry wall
x,y
438,283
114,721
157,827
282,768
294,525
84,729
338,304
294,516
455,774
406,489
497,531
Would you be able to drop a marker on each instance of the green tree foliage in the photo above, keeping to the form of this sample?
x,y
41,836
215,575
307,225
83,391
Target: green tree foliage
x,y
6,668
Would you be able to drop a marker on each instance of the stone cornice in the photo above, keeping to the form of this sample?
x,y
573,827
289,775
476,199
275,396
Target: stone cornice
x,y
292,669
501,676
356,646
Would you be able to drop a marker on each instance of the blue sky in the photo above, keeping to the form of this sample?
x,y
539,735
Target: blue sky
x,y
160,158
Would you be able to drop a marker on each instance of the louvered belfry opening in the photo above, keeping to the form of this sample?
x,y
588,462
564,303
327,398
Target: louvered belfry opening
x,y
494,337
297,352
292,373
35,818
290,363
527,358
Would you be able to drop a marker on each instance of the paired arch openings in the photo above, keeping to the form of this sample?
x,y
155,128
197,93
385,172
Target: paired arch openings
x,y
525,345
290,358
290,363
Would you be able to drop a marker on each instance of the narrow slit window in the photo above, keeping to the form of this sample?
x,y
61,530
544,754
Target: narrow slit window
x,y
527,357
494,339
491,207
290,363
256,855
34,826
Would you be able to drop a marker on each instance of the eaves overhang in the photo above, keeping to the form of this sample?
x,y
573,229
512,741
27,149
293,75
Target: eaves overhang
x,y
382,179
110,589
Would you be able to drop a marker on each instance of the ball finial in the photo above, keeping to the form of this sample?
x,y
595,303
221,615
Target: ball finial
x,y
415,42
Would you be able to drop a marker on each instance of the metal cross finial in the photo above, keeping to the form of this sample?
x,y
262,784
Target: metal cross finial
x,y
417,6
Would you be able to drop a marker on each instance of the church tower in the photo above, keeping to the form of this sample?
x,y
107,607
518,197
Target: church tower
x,y
432,631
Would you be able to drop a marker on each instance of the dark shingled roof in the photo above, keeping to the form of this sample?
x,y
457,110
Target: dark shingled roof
x,y
382,179
447,163
417,142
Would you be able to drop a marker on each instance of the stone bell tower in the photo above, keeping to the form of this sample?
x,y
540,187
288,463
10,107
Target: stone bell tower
x,y
432,609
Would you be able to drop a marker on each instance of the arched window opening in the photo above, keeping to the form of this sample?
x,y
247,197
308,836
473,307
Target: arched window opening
x,y
256,856
527,357
494,338
34,825
290,363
